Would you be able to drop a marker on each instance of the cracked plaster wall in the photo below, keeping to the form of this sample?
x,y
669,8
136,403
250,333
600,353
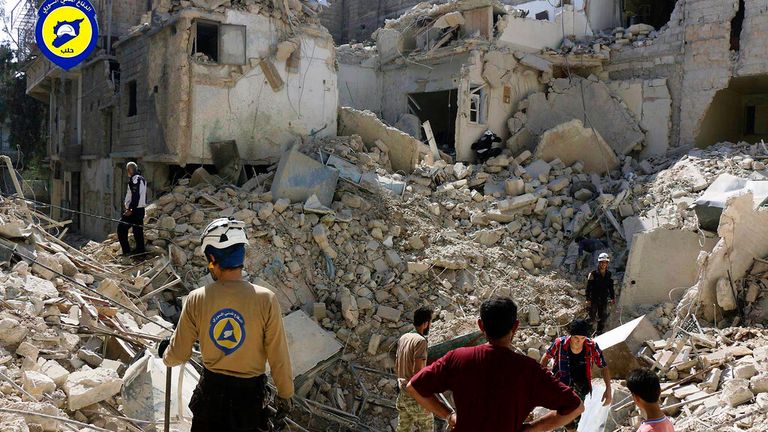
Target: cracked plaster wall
x,y
237,103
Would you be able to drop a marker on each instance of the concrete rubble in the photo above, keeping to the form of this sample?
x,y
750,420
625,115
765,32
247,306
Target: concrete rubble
x,y
353,232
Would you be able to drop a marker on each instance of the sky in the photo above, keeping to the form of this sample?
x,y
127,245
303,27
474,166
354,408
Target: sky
x,y
8,5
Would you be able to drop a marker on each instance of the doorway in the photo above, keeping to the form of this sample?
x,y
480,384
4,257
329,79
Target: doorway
x,y
440,108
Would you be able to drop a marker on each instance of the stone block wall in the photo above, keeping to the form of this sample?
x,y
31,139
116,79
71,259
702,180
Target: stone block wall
x,y
707,60
132,56
753,58
662,60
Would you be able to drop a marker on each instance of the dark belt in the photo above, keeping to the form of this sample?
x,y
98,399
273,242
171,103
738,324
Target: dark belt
x,y
227,381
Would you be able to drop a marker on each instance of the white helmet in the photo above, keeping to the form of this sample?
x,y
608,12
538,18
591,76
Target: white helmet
x,y
222,233
603,257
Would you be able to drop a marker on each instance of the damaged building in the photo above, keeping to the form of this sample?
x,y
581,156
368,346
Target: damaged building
x,y
605,85
694,77
169,79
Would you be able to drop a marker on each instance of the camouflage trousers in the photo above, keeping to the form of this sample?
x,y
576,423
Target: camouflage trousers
x,y
411,416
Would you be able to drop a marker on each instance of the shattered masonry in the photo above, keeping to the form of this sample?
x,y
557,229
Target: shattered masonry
x,y
598,116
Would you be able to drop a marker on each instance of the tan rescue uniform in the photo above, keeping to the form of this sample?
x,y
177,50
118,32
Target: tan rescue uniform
x,y
240,327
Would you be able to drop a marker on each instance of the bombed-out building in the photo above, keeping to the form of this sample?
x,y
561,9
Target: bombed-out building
x,y
686,73
170,78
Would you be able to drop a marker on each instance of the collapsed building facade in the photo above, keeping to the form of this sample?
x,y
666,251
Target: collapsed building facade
x,y
573,85
167,80
697,80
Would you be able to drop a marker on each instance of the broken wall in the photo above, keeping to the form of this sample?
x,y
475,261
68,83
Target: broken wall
x,y
238,103
708,65
651,104
742,238
661,60
398,81
404,150
134,59
502,96
360,86
532,35
660,261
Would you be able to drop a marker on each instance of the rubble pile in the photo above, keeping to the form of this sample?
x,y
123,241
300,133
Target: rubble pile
x,y
68,332
300,10
358,257
600,45
711,379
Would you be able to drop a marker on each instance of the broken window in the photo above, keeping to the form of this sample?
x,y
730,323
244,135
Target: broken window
x,y
737,24
477,106
114,75
653,12
206,41
543,16
219,43
132,96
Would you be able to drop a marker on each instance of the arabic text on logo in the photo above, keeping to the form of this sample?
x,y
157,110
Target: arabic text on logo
x,y
227,330
67,31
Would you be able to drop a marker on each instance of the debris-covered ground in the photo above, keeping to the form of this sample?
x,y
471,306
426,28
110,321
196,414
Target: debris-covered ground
x,y
76,320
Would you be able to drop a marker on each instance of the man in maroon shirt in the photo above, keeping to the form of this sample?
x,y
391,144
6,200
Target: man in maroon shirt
x,y
495,389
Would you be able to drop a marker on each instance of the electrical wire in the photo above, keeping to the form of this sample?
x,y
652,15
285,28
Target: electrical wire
x,y
42,204
83,286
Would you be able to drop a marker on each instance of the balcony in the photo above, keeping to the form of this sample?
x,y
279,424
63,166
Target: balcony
x,y
40,72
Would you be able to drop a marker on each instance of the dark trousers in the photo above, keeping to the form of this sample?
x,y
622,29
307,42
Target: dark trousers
x,y
222,403
135,221
598,310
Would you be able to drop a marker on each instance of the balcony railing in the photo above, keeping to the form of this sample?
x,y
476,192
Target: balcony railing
x,y
23,16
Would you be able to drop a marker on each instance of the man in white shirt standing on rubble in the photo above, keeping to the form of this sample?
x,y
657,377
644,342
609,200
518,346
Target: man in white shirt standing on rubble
x,y
133,214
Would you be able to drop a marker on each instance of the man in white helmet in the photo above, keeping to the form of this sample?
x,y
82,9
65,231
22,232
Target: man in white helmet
x,y
600,292
239,327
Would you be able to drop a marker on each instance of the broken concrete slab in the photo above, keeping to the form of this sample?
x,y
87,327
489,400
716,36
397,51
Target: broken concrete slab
x,y
572,142
88,386
621,345
709,206
656,120
734,253
451,19
308,343
388,314
536,62
55,371
404,150
11,330
660,261
605,114
736,392
39,287
298,177
37,384
517,202
496,67
537,168
390,44
144,391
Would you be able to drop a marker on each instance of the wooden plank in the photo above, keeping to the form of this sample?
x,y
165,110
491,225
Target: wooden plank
x,y
57,224
443,40
431,138
271,74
